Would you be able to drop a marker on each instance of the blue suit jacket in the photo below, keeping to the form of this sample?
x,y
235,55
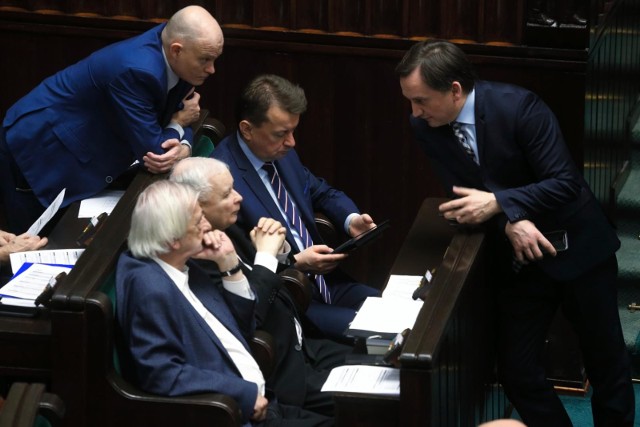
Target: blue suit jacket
x,y
524,161
82,127
310,193
173,349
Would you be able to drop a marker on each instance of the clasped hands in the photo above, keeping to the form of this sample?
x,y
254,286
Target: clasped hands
x,y
475,207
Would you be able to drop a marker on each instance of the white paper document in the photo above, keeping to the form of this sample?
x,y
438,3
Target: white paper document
x,y
37,226
386,315
103,202
364,379
57,256
401,286
30,283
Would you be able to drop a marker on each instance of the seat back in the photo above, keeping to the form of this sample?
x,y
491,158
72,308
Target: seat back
x,y
210,132
115,401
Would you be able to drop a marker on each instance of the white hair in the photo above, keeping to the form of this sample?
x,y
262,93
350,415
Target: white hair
x,y
161,216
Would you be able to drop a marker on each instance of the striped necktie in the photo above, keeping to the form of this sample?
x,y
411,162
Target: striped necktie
x,y
462,139
294,221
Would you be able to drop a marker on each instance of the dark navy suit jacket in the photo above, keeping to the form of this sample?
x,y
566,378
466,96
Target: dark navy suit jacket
x,y
310,193
174,351
82,127
525,162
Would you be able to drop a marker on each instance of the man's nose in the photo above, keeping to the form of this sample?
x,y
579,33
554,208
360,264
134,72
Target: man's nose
x,y
290,140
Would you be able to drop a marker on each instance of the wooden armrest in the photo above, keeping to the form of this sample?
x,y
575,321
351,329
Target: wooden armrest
x,y
25,401
263,350
328,231
299,286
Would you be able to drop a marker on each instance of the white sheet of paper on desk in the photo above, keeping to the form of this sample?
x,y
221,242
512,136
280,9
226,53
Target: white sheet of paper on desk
x,y
364,379
386,315
103,202
55,256
37,226
30,284
401,286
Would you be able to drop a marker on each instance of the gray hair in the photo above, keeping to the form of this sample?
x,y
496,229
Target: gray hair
x,y
196,171
161,216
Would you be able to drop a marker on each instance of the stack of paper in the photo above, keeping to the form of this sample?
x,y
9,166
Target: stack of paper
x,y
391,314
29,282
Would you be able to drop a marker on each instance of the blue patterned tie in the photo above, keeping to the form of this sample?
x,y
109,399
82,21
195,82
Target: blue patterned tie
x,y
462,139
295,221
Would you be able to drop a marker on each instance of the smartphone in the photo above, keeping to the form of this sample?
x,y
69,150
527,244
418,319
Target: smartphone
x,y
558,239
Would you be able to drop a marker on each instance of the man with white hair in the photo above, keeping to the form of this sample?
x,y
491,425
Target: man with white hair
x,y
187,334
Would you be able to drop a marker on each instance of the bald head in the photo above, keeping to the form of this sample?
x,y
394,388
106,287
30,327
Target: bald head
x,y
192,41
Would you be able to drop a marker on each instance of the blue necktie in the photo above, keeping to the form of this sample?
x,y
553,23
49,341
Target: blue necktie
x,y
462,139
295,221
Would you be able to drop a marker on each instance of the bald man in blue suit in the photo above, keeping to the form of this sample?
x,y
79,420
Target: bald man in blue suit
x,y
84,126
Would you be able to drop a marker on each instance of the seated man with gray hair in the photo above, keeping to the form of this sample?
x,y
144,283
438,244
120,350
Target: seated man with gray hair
x,y
186,333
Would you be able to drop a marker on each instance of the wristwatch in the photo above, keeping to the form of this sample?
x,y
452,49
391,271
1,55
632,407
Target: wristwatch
x,y
232,271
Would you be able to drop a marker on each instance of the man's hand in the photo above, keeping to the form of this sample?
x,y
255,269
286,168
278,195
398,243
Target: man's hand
x,y
161,163
268,236
190,112
10,243
527,241
473,206
359,224
6,237
217,247
318,259
260,409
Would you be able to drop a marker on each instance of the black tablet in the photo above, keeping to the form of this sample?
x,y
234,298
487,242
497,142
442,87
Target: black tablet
x,y
362,239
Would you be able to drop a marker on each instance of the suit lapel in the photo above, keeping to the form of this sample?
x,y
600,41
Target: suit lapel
x,y
256,186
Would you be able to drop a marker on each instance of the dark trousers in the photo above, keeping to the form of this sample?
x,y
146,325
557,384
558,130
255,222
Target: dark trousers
x,y
527,308
21,206
346,298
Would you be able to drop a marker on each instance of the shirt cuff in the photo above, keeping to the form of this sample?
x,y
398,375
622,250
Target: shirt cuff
x,y
239,287
283,256
348,221
266,260
175,126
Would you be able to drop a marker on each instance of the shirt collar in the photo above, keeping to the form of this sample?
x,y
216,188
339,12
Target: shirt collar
x,y
253,159
467,114
180,278
172,78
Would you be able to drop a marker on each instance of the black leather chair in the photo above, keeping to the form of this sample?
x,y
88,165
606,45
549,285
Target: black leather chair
x,y
29,405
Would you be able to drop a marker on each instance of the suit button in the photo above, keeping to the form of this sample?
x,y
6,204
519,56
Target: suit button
x,y
108,179
298,347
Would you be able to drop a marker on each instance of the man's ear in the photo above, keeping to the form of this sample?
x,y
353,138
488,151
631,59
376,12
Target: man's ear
x,y
245,129
174,49
456,89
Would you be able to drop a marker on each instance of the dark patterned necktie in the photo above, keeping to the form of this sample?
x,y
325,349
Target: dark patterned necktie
x,y
295,221
462,139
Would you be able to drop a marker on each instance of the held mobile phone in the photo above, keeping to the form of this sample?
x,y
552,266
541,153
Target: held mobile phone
x,y
558,239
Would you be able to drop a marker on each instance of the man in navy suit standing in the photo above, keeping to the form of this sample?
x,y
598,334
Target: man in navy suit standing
x,y
268,113
84,126
500,154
